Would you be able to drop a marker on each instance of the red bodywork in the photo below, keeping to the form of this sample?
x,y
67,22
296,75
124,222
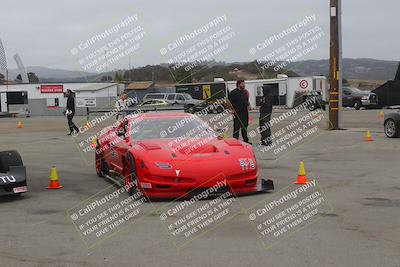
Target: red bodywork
x,y
169,169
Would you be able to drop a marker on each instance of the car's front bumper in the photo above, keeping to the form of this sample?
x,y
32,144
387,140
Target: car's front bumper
x,y
157,187
369,103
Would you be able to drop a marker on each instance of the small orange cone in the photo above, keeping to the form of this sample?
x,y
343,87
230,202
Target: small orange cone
x,y
302,177
94,142
54,183
382,115
20,125
368,137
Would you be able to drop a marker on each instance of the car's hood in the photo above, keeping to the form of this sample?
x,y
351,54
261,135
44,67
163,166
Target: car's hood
x,y
193,148
204,160
363,93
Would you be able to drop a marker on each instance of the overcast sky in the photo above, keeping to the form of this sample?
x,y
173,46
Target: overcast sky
x,y
43,32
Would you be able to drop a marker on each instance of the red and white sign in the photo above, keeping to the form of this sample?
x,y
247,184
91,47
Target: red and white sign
x,y
303,84
51,88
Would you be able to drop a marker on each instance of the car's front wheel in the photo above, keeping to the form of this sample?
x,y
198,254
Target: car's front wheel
x,y
391,129
130,174
101,166
357,105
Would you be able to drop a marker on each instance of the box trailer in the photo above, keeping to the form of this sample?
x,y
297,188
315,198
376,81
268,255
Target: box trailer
x,y
13,102
209,91
288,92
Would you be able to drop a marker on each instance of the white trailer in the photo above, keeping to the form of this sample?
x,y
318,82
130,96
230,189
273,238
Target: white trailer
x,y
290,91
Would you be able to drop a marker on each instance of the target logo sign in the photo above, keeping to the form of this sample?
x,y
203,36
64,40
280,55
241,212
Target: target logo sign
x,y
303,84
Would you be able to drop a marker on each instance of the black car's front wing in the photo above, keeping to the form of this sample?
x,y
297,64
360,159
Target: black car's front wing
x,y
13,181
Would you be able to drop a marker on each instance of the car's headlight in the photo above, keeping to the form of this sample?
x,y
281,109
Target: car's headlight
x,y
365,98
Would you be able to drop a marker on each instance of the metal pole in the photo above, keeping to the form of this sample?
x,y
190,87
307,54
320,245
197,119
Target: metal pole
x,y
7,79
335,65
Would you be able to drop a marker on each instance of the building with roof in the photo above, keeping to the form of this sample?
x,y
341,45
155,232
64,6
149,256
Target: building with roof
x,y
48,99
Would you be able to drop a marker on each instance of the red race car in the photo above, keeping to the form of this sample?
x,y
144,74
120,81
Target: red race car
x,y
171,155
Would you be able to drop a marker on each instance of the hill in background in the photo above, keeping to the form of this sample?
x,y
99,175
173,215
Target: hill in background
x,y
353,69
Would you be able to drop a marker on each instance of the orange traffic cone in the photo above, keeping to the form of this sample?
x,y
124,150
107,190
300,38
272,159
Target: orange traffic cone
x,y
54,183
368,137
20,125
382,115
94,142
302,177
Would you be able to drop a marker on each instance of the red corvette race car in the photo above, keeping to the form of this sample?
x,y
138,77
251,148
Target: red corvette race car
x,y
171,155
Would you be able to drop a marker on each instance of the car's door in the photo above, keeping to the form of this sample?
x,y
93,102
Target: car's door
x,y
347,97
147,103
119,146
171,98
180,99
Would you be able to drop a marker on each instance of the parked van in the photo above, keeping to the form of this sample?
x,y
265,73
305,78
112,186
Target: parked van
x,y
176,98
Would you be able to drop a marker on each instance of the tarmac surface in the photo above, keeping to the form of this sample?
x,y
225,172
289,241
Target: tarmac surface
x,y
360,182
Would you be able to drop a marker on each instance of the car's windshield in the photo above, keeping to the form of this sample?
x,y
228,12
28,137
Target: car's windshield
x,y
187,96
189,127
355,90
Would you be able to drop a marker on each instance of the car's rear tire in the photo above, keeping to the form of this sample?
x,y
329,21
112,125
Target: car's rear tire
x,y
312,107
391,129
220,109
9,158
130,174
190,109
357,105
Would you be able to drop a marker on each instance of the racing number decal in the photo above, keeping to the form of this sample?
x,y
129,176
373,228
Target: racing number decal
x,y
7,179
206,91
247,164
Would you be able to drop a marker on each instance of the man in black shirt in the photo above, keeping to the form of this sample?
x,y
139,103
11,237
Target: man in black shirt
x,y
239,106
70,112
265,116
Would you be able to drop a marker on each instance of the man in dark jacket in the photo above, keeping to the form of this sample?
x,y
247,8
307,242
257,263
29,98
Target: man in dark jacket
x,y
70,112
265,116
239,106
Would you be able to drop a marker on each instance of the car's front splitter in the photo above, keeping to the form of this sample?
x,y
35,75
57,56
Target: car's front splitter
x,y
14,181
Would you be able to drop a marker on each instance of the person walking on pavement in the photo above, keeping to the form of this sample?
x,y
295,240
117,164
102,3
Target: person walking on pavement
x,y
70,112
121,104
238,103
265,117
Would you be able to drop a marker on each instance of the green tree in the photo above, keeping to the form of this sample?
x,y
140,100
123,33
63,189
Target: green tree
x,y
33,78
118,77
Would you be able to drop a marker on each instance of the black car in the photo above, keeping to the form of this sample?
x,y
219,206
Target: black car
x,y
392,124
353,97
12,173
315,102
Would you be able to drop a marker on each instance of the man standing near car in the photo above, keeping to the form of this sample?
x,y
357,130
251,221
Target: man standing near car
x,y
70,112
265,117
238,103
